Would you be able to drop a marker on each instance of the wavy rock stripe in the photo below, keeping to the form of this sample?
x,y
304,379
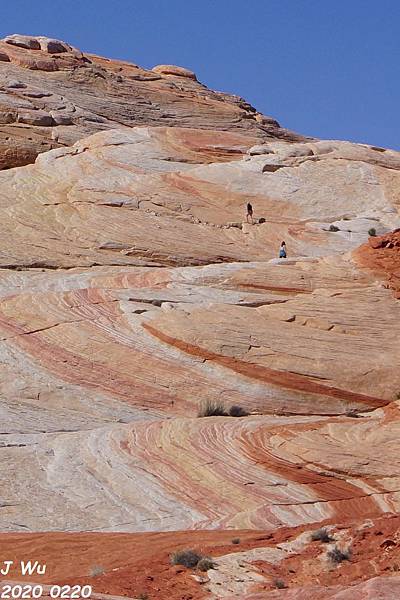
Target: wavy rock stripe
x,y
89,330
66,361
278,378
96,346
211,473
170,198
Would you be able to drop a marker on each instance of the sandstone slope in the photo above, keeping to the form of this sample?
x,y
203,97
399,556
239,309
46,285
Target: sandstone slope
x,y
132,291
52,95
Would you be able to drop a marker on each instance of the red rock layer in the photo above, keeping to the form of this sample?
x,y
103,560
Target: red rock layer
x,y
133,564
382,254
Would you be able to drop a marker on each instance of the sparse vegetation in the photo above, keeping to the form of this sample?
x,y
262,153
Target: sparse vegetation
x,y
192,559
143,597
337,556
236,541
215,408
398,395
205,564
372,232
237,411
261,220
321,535
280,584
333,228
96,571
211,408
352,412
187,558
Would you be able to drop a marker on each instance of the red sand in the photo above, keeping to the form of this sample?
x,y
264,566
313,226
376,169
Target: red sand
x,y
136,564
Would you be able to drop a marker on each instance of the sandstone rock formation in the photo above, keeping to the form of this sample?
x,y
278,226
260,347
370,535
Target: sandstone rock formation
x,y
382,255
132,292
52,95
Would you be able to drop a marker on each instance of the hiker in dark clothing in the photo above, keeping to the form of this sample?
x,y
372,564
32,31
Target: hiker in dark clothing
x,y
282,250
249,212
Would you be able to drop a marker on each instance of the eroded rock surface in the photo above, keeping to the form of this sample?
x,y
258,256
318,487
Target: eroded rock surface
x,y
133,292
52,95
382,255
169,196
249,565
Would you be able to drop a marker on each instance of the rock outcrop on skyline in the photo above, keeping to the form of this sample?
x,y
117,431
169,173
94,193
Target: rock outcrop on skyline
x,y
133,292
52,95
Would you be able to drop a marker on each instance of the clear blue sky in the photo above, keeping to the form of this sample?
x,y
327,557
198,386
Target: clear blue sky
x,y
328,68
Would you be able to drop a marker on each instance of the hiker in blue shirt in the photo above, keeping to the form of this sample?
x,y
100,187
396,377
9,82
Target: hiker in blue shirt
x,y
282,250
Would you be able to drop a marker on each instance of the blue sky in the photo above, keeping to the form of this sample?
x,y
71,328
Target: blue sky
x,y
328,68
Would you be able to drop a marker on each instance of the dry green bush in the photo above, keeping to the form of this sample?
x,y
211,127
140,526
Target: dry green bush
x,y
321,535
212,408
337,556
187,558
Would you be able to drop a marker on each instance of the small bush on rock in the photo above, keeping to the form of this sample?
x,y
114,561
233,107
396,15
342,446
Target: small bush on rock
x,y
187,558
372,232
333,228
236,541
321,535
205,564
337,556
352,412
237,411
279,584
211,408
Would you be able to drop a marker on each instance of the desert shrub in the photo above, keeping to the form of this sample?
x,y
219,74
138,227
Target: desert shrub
x,y
398,395
211,408
337,556
237,411
205,564
321,535
333,228
280,584
143,597
187,558
96,571
261,220
236,541
372,232
352,412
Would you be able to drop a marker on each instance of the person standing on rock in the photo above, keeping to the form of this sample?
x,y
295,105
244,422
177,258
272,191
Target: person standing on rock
x,y
249,213
282,251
